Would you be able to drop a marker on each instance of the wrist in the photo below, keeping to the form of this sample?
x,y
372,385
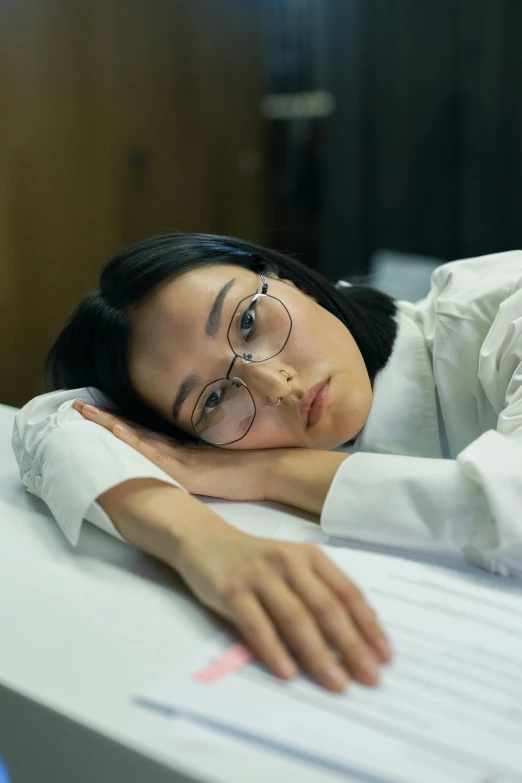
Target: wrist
x,y
302,477
159,518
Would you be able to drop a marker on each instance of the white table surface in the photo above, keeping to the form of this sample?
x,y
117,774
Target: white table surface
x,y
83,628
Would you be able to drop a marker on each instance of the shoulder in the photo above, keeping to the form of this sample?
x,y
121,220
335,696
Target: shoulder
x,y
466,298
477,281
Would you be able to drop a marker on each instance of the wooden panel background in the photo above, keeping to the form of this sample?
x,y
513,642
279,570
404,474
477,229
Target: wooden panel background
x,y
119,119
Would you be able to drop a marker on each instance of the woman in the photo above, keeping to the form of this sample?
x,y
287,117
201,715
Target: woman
x,y
237,370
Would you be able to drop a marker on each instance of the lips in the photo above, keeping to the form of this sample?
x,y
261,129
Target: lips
x,y
313,402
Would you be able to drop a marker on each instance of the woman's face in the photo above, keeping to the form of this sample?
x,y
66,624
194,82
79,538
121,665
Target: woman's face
x,y
180,344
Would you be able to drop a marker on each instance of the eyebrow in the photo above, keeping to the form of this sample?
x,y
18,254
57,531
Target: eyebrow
x,y
183,392
214,317
211,329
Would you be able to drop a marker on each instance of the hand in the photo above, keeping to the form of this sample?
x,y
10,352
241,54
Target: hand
x,y
289,601
201,469
277,592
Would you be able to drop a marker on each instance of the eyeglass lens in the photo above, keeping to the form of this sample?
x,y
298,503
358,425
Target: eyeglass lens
x,y
258,331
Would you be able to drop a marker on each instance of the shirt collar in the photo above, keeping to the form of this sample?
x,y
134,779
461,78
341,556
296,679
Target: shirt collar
x,y
403,417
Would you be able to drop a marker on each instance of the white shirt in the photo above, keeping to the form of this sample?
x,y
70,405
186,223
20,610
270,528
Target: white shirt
x,y
439,460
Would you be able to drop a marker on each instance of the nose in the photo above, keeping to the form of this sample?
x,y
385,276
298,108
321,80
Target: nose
x,y
264,379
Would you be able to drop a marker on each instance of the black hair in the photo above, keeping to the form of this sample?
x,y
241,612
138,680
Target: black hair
x,y
94,346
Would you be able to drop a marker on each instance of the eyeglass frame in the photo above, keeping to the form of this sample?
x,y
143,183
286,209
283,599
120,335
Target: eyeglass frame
x,y
240,381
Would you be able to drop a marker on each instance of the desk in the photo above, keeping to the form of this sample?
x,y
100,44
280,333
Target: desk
x,y
83,628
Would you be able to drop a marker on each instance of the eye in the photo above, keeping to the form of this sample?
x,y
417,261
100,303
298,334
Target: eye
x,y
212,401
248,320
208,406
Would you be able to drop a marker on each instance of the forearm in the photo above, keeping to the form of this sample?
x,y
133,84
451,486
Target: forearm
x,y
302,477
269,590
158,518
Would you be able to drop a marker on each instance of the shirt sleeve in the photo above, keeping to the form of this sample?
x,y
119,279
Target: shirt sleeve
x,y
473,502
68,461
415,502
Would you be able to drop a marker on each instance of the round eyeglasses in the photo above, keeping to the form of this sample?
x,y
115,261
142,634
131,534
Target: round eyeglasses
x,y
259,330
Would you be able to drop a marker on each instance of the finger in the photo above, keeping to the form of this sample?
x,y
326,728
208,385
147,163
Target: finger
x,y
98,415
121,431
255,626
336,624
79,405
148,443
148,450
113,424
359,609
302,635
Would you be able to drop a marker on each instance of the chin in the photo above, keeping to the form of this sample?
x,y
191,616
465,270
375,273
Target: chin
x,y
340,430
328,440
333,443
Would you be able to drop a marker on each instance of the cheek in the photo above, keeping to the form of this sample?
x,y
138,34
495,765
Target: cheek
x,y
269,431
308,342
351,405
353,412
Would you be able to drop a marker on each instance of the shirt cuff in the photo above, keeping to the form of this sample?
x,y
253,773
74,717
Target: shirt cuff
x,y
79,461
411,502
98,517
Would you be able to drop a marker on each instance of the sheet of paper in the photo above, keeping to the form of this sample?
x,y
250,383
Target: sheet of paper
x,y
191,734
449,709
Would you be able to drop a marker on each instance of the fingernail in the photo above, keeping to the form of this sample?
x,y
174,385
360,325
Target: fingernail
x,y
336,676
91,410
369,670
383,646
287,669
119,430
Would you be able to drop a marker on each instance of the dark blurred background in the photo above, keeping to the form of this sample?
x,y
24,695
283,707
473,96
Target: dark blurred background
x,y
367,137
